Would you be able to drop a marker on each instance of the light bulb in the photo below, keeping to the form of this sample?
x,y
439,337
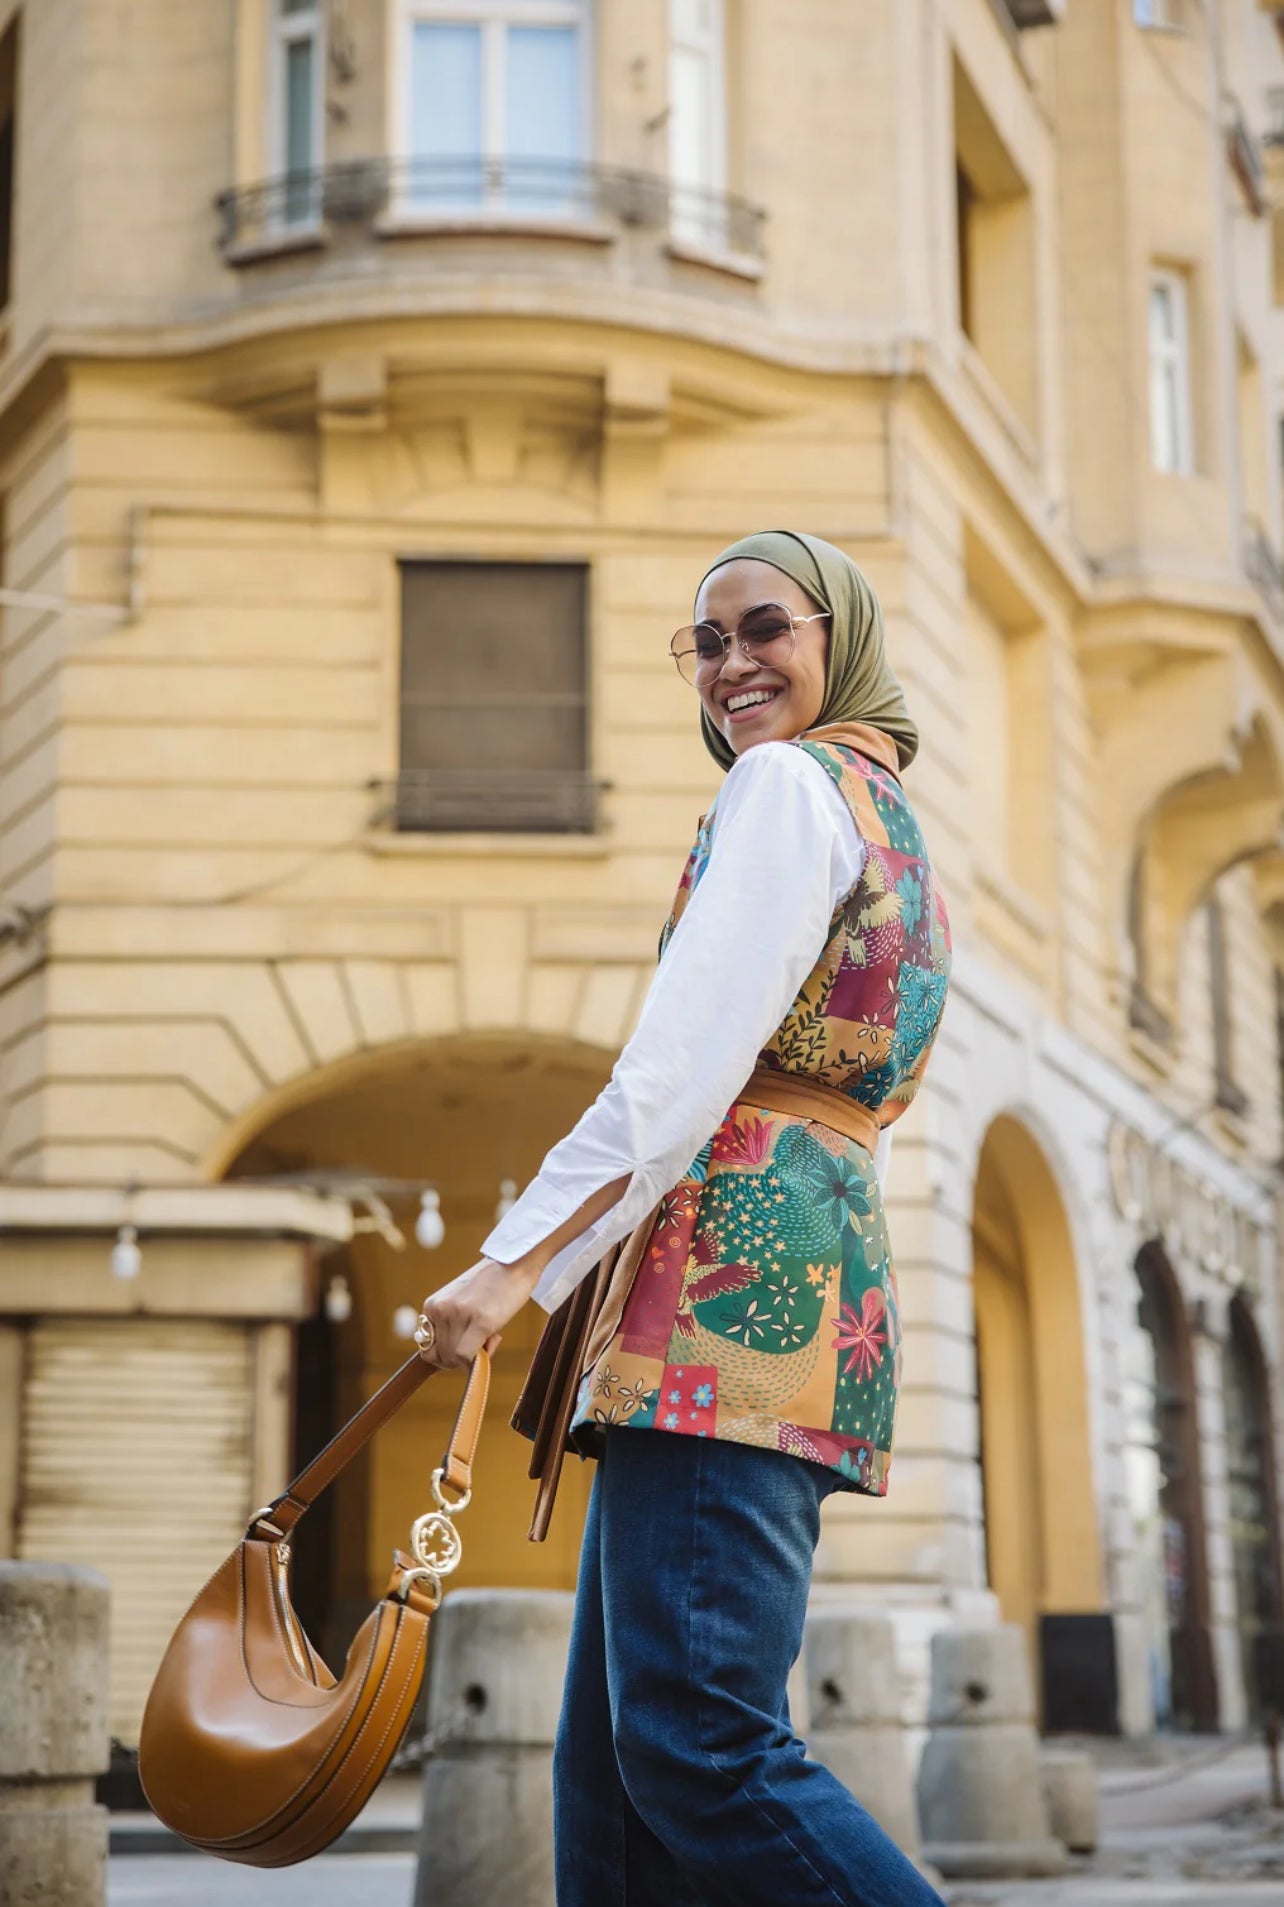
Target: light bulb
x,y
507,1198
430,1227
126,1259
404,1320
338,1299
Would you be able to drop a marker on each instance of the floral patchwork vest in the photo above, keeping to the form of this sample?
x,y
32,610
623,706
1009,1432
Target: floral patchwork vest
x,y
764,1309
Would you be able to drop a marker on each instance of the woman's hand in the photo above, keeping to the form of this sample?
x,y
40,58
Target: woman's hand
x,y
468,1314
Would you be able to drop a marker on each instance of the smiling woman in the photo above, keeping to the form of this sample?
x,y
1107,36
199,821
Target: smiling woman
x,y
749,1328
758,665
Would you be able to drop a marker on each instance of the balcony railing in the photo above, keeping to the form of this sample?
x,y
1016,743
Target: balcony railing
x,y
1263,567
1273,130
1027,13
490,801
393,192
1245,155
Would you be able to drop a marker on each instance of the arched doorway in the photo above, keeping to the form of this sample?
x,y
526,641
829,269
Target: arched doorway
x,y
466,1114
1166,1500
1043,1549
1254,1510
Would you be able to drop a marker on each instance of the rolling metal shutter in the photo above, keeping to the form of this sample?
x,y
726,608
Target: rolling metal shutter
x,y
136,1460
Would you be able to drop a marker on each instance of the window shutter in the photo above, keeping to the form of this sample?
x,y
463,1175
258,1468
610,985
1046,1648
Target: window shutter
x,y
494,697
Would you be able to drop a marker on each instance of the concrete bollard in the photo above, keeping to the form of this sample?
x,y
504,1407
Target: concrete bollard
x,y
856,1726
1070,1791
53,1735
980,1796
494,1696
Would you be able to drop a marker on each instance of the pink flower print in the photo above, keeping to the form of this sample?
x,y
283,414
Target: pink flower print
x,y
860,1336
745,1142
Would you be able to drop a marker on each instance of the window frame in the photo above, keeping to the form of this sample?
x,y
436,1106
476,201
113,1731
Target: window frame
x,y
285,30
1161,16
1174,354
714,47
494,17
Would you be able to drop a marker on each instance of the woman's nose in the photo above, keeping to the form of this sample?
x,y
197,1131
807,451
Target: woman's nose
x,y
736,662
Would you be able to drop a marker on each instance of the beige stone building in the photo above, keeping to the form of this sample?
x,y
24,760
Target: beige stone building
x,y
377,378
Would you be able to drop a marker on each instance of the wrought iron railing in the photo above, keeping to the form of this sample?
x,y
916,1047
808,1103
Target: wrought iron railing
x,y
1244,152
490,801
1273,131
365,192
1263,567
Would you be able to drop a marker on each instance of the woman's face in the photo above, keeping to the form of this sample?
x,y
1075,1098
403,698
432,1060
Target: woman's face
x,y
747,703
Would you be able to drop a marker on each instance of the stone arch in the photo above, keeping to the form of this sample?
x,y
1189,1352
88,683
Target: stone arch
x,y
1197,831
464,1111
302,1027
517,1052
1043,1541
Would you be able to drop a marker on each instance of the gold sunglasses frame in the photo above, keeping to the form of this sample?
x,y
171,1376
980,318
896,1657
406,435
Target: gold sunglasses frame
x,y
688,629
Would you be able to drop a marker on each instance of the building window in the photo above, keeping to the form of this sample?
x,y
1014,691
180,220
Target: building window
x,y
1143,1013
996,262
697,118
1229,1095
1158,13
494,698
493,105
298,105
1171,445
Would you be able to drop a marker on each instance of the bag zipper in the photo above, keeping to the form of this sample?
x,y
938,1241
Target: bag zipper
x,y
290,1621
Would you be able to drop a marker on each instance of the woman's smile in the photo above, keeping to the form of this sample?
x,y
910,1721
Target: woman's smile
x,y
745,705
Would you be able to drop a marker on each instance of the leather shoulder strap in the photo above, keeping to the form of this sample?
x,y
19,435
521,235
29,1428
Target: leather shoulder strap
x,y
283,1513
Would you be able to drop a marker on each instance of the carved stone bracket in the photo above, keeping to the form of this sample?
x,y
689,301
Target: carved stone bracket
x,y
1191,749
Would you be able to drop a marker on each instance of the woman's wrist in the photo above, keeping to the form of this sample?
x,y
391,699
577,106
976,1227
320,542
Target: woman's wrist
x,y
524,1272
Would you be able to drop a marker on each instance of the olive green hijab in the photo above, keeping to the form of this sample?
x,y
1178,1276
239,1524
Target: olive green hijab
x,y
859,684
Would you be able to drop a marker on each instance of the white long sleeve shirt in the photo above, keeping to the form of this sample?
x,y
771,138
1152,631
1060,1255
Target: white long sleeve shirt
x,y
784,852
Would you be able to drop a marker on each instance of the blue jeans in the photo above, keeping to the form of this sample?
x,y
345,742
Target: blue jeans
x,y
677,1778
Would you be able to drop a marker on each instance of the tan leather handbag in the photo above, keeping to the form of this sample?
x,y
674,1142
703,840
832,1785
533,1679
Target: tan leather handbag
x,y
250,1748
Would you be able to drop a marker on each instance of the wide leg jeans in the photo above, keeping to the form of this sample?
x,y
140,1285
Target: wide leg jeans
x,y
678,1780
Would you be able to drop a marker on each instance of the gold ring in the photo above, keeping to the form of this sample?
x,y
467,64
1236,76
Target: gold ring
x,y
425,1333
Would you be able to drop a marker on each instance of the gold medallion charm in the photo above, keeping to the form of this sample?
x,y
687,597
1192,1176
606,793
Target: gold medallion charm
x,y
435,1542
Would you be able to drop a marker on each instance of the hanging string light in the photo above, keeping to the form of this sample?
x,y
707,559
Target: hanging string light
x,y
430,1227
126,1258
338,1299
404,1320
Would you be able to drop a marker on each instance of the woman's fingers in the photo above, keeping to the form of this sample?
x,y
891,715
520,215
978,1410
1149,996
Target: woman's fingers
x,y
468,1314
456,1338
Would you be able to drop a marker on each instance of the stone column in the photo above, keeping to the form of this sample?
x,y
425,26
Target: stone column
x,y
980,1795
494,1696
53,1735
854,1699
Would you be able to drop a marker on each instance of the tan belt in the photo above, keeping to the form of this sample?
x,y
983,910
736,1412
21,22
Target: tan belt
x,y
808,1099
